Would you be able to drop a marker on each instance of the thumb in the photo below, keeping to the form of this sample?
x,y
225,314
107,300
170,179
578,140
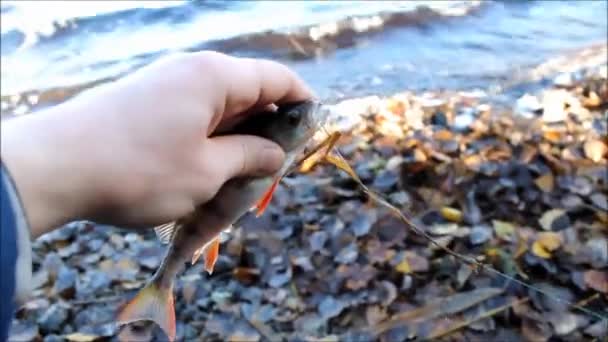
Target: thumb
x,y
244,155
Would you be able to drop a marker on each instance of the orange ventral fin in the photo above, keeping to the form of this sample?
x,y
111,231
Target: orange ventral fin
x,y
212,251
265,200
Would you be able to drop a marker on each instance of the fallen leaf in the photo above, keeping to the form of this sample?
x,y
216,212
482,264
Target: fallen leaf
x,y
540,251
504,230
80,337
404,266
550,240
597,280
554,219
595,150
451,214
545,182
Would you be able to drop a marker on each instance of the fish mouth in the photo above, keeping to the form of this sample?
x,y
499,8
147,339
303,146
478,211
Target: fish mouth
x,y
317,114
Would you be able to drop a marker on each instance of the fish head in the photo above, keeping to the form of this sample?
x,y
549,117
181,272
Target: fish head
x,y
291,126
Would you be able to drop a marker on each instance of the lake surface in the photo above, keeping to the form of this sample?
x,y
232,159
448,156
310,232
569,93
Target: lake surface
x,y
343,48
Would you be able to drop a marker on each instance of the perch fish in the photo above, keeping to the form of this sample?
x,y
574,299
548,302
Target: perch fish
x,y
292,126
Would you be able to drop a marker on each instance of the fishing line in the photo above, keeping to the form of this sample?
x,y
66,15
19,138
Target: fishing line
x,y
466,259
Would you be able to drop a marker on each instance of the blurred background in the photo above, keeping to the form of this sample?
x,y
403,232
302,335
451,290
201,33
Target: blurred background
x,y
343,48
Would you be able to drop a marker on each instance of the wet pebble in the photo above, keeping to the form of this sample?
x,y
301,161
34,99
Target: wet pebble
x,y
599,200
280,278
65,284
598,248
385,181
463,121
439,119
53,318
53,338
329,307
347,254
52,264
317,240
362,223
23,331
92,282
309,323
480,235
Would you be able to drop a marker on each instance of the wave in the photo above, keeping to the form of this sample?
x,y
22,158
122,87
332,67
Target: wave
x,y
313,41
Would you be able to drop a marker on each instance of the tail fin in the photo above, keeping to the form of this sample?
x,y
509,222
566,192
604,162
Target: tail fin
x,y
153,303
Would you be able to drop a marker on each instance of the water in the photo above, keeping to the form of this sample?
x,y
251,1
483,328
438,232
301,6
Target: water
x,y
55,49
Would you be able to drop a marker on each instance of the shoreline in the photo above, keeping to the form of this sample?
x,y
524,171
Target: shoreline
x,y
521,186
505,88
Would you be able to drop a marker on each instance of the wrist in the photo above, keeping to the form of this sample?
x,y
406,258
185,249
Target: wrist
x,y
38,150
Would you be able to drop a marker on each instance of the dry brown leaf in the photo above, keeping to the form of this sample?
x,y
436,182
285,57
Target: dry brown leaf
x,y
443,134
545,182
553,136
595,150
597,280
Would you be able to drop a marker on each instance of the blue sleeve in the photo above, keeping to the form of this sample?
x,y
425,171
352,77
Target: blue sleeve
x,y
15,253
8,257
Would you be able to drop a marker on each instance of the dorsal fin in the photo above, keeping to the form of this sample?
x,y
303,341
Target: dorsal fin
x,y
165,232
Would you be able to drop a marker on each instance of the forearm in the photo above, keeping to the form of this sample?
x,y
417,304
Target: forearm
x,y
39,152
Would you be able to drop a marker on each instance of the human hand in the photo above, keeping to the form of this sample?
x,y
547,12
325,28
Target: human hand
x,y
138,152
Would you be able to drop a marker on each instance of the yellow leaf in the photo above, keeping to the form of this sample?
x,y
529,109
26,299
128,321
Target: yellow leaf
x,y
504,230
80,337
451,214
492,252
540,251
549,240
404,266
545,182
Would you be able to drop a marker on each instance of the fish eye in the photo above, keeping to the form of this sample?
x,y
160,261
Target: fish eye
x,y
293,117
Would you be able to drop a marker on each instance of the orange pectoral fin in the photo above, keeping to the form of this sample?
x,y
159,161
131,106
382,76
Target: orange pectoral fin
x,y
265,200
211,254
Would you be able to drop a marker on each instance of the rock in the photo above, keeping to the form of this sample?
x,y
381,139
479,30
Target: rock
x,y
53,318
309,323
554,219
23,331
480,235
362,223
385,181
317,240
528,105
439,119
347,254
554,105
463,121
65,284
53,338
330,307
52,264
564,80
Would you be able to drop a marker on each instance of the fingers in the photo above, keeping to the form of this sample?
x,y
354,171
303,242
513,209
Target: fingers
x,y
243,155
259,82
243,85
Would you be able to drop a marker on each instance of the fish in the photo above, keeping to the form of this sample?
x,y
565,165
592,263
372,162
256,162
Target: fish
x,y
197,234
